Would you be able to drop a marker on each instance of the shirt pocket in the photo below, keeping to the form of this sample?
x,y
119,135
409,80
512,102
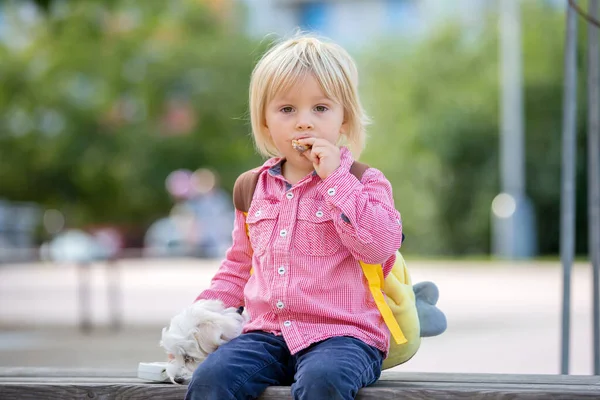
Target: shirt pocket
x,y
316,231
261,220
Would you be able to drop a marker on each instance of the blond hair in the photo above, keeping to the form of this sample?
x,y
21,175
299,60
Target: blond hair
x,y
285,64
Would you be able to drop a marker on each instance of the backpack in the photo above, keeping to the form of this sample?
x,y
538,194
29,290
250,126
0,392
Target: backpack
x,y
398,307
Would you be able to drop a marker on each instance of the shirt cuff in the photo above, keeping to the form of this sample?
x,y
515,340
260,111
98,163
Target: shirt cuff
x,y
338,186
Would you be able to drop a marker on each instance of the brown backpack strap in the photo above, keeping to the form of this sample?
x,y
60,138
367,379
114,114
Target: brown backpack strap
x,y
243,190
358,169
245,184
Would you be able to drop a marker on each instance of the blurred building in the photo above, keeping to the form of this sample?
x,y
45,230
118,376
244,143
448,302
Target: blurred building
x,y
348,22
355,22
18,224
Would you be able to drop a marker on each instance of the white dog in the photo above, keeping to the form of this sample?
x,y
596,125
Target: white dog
x,y
196,332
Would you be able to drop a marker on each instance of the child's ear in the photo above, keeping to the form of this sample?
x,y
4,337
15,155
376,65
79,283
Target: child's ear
x,y
345,123
344,129
343,139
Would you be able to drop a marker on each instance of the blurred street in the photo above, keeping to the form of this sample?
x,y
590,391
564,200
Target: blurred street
x,y
502,317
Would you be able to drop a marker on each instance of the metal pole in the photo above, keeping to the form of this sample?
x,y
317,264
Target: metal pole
x,y
85,311
569,136
594,173
511,136
513,217
114,293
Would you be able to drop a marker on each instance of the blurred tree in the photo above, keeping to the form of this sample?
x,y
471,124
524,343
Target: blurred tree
x,y
106,99
44,4
101,100
436,124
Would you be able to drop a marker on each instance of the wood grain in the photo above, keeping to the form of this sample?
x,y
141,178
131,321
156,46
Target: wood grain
x,y
50,383
51,391
66,372
46,372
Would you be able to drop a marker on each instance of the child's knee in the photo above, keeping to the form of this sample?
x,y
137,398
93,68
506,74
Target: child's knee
x,y
207,374
324,382
322,389
209,382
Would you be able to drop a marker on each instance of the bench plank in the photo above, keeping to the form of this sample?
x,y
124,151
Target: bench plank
x,y
73,380
67,372
384,382
398,376
381,391
70,383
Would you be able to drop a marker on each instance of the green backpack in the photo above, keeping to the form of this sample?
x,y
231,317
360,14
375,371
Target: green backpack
x,y
401,305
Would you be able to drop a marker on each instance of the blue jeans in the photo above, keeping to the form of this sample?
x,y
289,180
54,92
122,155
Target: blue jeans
x,y
243,368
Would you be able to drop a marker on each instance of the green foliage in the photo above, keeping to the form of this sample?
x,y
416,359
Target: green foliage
x,y
436,132
107,99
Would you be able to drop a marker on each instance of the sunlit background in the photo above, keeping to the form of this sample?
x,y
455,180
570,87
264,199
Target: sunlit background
x,y
124,124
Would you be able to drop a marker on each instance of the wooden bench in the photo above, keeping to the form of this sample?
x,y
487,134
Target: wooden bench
x,y
52,383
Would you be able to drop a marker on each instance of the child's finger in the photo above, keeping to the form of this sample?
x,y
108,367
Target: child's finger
x,y
311,156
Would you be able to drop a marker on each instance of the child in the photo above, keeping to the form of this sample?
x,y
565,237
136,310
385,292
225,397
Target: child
x,y
313,321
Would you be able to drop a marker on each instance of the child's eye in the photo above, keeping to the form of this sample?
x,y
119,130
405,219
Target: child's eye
x,y
321,108
287,110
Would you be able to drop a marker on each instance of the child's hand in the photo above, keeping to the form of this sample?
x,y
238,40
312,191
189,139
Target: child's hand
x,y
325,156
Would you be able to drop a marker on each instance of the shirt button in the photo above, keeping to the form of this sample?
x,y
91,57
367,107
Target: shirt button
x,y
319,214
287,323
331,191
280,304
283,233
281,270
257,213
289,195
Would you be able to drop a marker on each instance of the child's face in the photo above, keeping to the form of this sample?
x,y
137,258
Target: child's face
x,y
303,111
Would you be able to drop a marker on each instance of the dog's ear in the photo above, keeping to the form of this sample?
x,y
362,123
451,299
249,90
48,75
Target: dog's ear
x,y
182,351
232,326
178,371
208,337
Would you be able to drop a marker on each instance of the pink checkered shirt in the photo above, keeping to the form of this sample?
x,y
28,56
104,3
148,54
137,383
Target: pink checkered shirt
x,y
304,243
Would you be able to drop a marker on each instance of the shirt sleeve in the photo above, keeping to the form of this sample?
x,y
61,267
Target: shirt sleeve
x,y
364,214
228,283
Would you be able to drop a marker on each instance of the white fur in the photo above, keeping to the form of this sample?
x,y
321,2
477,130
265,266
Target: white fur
x,y
196,332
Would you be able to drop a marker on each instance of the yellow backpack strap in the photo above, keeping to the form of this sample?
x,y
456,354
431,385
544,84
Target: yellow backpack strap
x,y
374,275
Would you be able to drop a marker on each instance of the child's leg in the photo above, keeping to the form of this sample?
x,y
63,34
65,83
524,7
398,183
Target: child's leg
x,y
241,368
336,368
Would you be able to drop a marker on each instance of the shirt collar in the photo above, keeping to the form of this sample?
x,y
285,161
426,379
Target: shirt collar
x,y
276,169
274,165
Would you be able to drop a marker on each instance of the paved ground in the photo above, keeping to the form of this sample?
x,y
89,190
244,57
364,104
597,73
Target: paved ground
x,y
503,317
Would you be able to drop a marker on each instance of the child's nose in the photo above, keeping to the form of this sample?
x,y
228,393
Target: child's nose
x,y
304,123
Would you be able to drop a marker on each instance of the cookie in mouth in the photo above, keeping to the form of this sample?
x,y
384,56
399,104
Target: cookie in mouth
x,y
300,147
